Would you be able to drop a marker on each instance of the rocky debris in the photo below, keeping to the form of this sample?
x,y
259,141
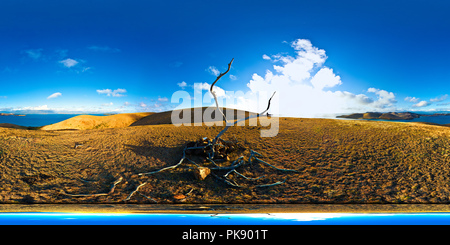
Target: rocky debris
x,y
201,173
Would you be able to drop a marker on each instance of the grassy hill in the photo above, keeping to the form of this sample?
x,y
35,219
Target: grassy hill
x,y
165,117
97,122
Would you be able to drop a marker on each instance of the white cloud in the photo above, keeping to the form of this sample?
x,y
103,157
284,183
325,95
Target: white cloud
x,y
412,99
32,108
385,99
325,78
38,108
213,70
304,84
118,92
69,62
206,86
54,95
115,93
233,77
422,103
143,105
164,99
182,85
108,104
439,99
266,57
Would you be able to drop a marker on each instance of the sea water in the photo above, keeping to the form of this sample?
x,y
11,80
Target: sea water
x,y
226,219
37,120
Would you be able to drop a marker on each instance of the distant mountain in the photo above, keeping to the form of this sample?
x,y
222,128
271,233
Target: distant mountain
x,y
385,116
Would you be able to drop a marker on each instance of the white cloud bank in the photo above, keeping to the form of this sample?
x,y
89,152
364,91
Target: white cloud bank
x,y
303,86
114,93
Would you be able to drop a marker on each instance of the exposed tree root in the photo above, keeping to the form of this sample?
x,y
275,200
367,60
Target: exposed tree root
x,y
113,186
136,190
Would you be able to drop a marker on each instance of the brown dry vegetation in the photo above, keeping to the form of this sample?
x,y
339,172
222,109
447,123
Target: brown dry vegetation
x,y
97,122
339,161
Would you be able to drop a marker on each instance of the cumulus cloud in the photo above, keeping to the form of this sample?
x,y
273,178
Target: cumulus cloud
x,y
182,85
54,95
385,99
422,103
304,86
325,78
69,62
115,93
206,86
412,99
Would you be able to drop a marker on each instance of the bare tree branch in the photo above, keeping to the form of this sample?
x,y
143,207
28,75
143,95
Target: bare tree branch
x,y
238,121
280,169
170,167
214,93
137,188
274,184
163,169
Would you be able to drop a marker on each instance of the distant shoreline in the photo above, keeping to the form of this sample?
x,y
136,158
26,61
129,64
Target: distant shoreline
x,y
390,115
12,114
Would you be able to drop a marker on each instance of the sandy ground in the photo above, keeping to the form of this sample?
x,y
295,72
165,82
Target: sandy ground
x,y
338,162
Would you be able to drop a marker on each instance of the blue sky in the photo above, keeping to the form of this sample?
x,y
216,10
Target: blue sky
x,y
321,57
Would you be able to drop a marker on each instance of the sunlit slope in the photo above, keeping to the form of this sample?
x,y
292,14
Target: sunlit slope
x,y
97,122
166,117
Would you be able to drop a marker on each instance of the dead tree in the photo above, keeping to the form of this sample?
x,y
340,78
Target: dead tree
x,y
212,151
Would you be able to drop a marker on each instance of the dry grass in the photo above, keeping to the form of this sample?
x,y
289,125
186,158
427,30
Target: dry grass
x,y
340,161
97,122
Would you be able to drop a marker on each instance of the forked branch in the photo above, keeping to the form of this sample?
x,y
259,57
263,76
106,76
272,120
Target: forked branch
x,y
214,93
244,119
224,118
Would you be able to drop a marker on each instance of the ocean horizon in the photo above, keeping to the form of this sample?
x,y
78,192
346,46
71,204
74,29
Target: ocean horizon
x,y
39,120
